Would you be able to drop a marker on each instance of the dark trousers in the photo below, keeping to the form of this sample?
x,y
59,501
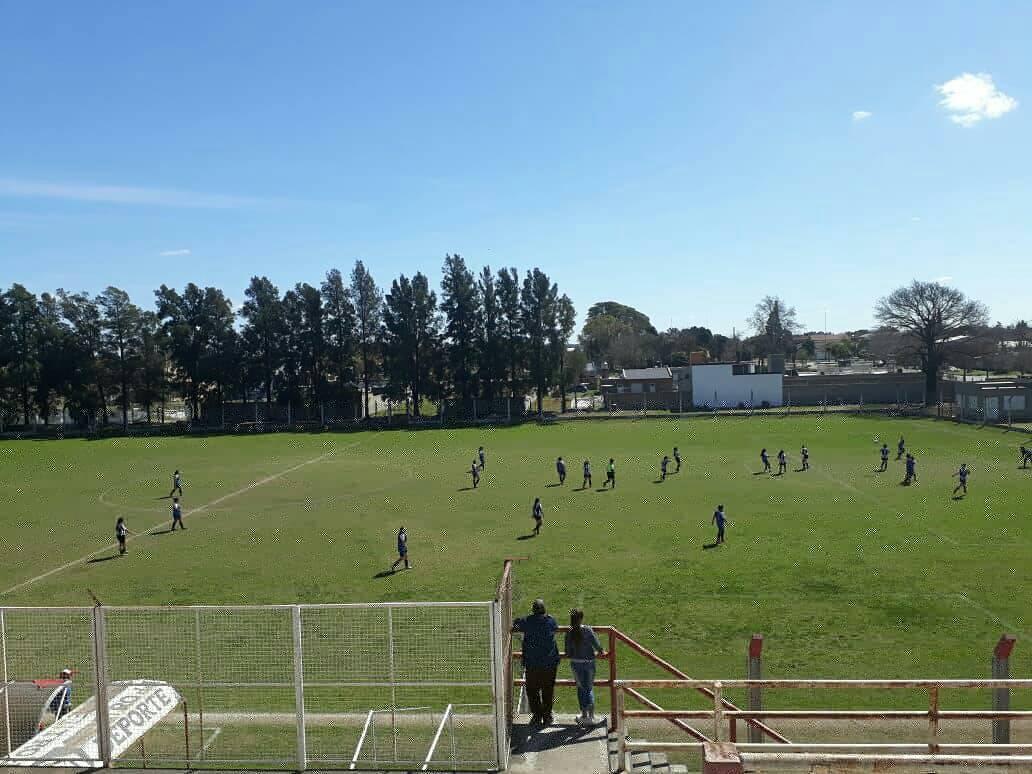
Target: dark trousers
x,y
541,690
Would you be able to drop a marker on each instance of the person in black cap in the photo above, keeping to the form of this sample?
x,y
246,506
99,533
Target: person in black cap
x,y
540,660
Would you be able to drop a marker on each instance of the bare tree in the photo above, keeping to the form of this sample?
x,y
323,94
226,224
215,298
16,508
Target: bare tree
x,y
775,320
935,320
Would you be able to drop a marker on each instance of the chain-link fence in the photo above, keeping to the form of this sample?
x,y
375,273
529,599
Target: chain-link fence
x,y
377,686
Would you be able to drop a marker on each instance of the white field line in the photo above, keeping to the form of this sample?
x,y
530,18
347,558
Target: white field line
x,y
164,522
208,742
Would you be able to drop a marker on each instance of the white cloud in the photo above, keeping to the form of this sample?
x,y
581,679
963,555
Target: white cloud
x,y
970,98
861,115
115,194
170,253
942,280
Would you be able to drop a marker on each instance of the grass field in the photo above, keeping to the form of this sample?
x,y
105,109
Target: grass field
x,y
845,571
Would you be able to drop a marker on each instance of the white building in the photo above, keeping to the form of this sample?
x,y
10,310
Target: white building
x,y
727,385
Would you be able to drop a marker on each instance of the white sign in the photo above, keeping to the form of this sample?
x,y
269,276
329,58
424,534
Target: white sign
x,y
133,710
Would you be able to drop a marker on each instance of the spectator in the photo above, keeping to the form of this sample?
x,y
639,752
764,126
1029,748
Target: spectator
x,y
540,660
581,647
61,704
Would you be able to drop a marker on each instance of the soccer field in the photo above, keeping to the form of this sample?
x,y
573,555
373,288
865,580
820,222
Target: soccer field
x,y
846,572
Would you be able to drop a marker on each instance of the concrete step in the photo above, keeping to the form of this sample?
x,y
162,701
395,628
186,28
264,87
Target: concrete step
x,y
643,762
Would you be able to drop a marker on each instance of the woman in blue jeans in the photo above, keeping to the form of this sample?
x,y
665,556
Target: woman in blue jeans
x,y
581,647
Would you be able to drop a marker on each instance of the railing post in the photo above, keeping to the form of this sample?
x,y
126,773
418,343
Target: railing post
x,y
299,690
1001,696
933,720
621,732
612,680
100,679
3,661
718,711
755,672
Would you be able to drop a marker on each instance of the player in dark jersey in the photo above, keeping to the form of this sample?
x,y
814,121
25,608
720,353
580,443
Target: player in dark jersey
x,y
884,458
586,484
663,463
911,475
121,535
560,469
177,514
961,474
901,448
538,513
677,460
402,551
804,455
177,484
719,517
766,460
782,463
1026,456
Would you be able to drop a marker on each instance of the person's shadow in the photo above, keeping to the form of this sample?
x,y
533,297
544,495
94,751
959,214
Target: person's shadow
x,y
384,574
531,739
529,536
100,559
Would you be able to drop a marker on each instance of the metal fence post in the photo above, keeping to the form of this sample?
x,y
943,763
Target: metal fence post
x,y
933,720
718,711
621,732
1001,696
498,680
299,690
394,689
755,672
199,675
3,659
612,679
100,679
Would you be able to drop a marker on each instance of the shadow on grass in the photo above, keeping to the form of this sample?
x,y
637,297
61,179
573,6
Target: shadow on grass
x,y
528,536
602,489
708,546
466,489
384,574
551,486
160,532
100,559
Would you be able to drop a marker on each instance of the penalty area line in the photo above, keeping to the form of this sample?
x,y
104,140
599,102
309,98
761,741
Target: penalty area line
x,y
163,522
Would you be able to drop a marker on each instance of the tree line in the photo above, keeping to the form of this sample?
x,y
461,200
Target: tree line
x,y
486,335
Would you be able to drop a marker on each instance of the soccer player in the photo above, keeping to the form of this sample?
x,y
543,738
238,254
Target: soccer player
x,y
663,467
719,517
962,474
586,484
677,459
474,471
610,474
121,534
1026,456
911,470
884,458
482,457
766,460
782,463
402,551
177,484
538,514
804,454
900,448
560,468
177,514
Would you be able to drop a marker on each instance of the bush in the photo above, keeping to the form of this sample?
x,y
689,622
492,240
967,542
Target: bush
x,y
765,404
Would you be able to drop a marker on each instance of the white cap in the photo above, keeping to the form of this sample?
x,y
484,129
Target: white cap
x,y
66,673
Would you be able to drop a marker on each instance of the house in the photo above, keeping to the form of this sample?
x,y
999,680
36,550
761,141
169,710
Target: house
x,y
994,400
729,385
637,388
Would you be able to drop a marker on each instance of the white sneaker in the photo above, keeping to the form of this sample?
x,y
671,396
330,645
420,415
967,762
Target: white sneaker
x,y
582,720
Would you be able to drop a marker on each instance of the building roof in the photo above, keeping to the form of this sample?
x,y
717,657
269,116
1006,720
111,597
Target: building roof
x,y
646,373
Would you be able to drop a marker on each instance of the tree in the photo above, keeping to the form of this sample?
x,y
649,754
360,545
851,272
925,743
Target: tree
x,y
934,318
565,321
183,322
54,355
87,392
222,353
121,338
368,302
538,313
22,327
410,337
265,329
339,332
618,334
460,302
634,320
599,336
489,334
150,386
511,325
775,320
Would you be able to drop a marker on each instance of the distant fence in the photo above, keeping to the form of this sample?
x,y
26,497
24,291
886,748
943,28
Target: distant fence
x,y
354,686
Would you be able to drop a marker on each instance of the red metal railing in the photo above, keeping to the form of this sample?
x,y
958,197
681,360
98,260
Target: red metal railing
x,y
616,637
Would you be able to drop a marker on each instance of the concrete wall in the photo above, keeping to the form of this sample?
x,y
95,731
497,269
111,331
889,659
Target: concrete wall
x,y
852,388
717,383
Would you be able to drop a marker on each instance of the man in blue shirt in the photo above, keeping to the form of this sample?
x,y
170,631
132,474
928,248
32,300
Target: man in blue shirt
x,y
402,551
540,660
560,469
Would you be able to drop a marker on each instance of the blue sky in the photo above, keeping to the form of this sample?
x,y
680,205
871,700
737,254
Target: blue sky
x,y
684,158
